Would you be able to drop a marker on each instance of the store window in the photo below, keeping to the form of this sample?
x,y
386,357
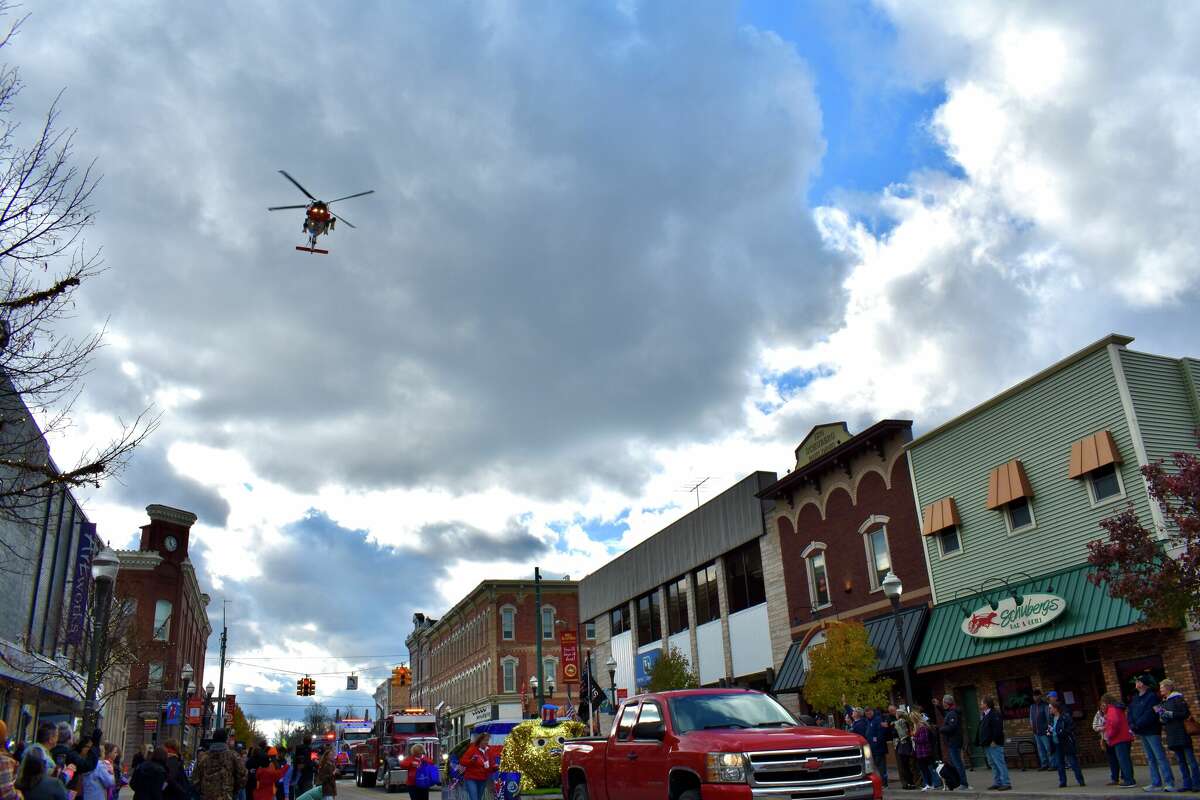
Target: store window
x,y
1105,483
589,630
619,620
677,609
744,577
818,579
708,603
879,558
162,620
508,623
649,619
1128,670
948,540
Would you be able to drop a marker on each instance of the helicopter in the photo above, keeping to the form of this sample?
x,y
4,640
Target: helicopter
x,y
318,219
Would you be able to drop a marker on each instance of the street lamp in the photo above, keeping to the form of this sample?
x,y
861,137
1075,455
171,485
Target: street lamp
x,y
185,679
208,707
611,663
893,588
533,691
105,565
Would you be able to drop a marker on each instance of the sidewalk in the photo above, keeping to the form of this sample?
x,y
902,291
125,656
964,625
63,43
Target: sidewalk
x,y
1031,784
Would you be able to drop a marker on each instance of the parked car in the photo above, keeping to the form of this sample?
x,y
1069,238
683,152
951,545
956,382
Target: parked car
x,y
728,743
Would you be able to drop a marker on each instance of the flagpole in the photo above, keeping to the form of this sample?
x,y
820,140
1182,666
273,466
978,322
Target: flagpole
x,y
591,706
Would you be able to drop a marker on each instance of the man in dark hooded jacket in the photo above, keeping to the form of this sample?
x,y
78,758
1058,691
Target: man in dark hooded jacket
x,y
1145,724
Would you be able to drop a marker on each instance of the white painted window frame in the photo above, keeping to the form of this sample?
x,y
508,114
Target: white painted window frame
x,y
504,662
807,555
503,636
1008,523
1091,493
876,586
942,554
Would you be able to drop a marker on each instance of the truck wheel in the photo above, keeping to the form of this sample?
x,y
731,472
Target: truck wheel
x,y
581,792
357,778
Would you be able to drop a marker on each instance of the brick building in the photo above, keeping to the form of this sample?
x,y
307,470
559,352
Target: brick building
x,y
478,657
170,621
842,519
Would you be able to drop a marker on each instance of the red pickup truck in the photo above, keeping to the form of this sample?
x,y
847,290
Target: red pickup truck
x,y
716,743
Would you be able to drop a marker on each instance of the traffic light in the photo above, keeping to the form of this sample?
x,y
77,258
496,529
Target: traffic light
x,y
312,686
306,687
300,687
402,676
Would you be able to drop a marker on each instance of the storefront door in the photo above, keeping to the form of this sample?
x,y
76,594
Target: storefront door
x,y
970,712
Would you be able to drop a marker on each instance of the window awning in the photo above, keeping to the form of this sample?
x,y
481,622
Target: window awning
x,y
1007,483
1093,452
891,653
792,674
938,516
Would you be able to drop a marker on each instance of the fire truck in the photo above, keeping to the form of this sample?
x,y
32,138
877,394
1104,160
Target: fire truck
x,y
393,737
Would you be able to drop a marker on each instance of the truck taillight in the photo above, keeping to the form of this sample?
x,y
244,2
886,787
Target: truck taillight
x,y
725,768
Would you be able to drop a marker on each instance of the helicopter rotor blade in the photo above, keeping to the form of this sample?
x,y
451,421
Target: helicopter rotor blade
x,y
285,208
345,221
298,186
347,197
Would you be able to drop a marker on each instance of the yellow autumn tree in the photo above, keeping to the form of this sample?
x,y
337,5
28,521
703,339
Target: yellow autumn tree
x,y
842,670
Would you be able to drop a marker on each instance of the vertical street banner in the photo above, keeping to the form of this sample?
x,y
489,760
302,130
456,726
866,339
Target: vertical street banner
x,y
568,643
172,712
81,583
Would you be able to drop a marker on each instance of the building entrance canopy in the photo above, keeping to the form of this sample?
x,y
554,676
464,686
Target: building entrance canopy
x,y
1024,616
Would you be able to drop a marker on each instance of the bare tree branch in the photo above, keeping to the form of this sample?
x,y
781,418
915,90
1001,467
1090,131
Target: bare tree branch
x,y
45,209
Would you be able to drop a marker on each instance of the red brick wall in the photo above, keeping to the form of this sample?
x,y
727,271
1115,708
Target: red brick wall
x,y
845,556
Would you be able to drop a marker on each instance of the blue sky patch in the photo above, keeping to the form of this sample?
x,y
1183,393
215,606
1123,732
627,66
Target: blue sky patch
x,y
876,128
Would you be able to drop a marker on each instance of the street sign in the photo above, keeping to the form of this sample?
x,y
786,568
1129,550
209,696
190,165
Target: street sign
x,y
351,683
568,642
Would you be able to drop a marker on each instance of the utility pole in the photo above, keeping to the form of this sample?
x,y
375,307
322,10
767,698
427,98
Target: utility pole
x,y
537,599
219,722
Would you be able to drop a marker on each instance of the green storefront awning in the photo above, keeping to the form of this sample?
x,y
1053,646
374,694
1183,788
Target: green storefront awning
x,y
1088,610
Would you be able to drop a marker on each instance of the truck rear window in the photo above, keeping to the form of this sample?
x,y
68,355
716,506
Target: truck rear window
x,y
734,710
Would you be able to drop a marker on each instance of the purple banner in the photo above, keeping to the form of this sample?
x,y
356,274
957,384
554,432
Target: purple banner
x,y
80,586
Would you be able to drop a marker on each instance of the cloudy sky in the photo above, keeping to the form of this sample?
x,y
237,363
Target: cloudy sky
x,y
615,248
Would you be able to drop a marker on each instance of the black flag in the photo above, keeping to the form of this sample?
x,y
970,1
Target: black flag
x,y
589,692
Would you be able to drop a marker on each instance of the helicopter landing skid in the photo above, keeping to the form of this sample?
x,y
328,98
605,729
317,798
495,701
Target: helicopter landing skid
x,y
312,250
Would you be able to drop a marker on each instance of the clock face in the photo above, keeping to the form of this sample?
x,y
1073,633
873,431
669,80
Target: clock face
x,y
171,543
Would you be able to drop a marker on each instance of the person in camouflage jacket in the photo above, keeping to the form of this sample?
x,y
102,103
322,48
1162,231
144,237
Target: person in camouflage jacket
x,y
219,773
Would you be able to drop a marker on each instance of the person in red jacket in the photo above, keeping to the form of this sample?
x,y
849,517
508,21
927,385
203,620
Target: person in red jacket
x,y
1118,736
267,777
416,759
478,767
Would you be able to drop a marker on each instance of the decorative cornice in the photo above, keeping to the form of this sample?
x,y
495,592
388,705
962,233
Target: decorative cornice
x,y
176,516
142,560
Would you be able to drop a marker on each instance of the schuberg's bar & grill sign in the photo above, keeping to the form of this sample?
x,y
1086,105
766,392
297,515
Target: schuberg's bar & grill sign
x,y
1010,619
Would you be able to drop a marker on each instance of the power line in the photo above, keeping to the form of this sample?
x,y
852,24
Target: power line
x,y
294,658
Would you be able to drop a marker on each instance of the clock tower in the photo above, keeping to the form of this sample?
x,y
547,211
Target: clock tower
x,y
168,532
